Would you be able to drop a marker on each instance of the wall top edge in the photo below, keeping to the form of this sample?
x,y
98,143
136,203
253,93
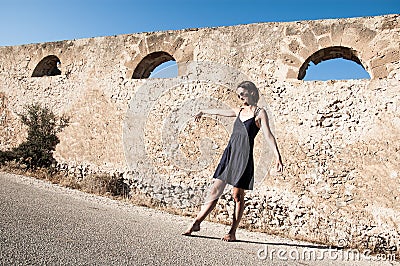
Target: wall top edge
x,y
138,34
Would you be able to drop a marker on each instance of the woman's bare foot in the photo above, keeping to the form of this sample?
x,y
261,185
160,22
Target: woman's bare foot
x,y
229,238
194,228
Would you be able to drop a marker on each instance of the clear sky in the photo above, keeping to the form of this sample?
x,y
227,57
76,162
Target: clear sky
x,y
33,21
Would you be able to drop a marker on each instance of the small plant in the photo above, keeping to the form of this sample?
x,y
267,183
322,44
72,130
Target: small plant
x,y
104,184
43,126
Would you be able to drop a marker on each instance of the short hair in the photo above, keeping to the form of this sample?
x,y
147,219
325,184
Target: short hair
x,y
251,87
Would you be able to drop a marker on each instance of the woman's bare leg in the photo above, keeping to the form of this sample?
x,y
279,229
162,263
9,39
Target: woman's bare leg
x,y
211,201
205,210
238,196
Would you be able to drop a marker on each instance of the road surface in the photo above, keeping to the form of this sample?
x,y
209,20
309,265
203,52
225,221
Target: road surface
x,y
46,224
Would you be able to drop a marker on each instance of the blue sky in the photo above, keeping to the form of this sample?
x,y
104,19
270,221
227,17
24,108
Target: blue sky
x,y
33,21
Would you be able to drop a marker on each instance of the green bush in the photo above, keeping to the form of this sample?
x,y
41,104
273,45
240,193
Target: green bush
x,y
43,126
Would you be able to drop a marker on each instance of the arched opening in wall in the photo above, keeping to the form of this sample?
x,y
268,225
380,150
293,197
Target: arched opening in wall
x,y
48,66
333,63
168,69
156,65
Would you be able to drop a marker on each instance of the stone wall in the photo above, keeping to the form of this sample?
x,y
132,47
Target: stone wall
x,y
338,139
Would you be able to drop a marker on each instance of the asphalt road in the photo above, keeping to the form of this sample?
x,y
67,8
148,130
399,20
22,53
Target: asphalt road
x,y
45,224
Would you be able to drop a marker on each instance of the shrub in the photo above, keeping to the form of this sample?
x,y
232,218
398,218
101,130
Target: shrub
x,y
43,126
103,184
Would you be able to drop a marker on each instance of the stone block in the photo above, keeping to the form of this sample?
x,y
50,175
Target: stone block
x,y
292,30
308,39
337,29
357,37
305,52
294,46
390,22
389,56
291,74
379,72
291,60
321,28
324,41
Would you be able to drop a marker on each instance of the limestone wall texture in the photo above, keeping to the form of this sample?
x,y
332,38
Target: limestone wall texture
x,y
339,139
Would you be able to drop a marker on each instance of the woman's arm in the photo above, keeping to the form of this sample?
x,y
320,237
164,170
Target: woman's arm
x,y
270,139
221,112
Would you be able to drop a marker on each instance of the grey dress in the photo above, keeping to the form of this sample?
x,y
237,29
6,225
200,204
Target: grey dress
x,y
236,166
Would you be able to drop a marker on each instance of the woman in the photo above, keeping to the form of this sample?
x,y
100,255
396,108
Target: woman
x,y
236,166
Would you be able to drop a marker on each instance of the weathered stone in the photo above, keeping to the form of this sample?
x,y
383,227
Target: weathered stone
x,y
321,28
294,46
337,29
291,74
379,72
390,56
391,22
324,41
291,60
308,39
338,139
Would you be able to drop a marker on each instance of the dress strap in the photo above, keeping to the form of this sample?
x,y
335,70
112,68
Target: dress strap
x,y
257,111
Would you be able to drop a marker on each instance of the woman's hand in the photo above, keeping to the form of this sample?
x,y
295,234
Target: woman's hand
x,y
278,169
198,116
279,165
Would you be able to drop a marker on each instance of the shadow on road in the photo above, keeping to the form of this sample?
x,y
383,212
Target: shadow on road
x,y
272,243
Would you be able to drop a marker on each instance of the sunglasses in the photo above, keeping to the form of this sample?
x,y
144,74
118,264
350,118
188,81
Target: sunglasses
x,y
243,94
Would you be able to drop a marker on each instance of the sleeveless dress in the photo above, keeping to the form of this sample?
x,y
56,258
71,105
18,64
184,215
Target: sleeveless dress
x,y
236,166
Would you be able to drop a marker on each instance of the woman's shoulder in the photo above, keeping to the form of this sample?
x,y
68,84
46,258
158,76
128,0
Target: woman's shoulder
x,y
260,112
